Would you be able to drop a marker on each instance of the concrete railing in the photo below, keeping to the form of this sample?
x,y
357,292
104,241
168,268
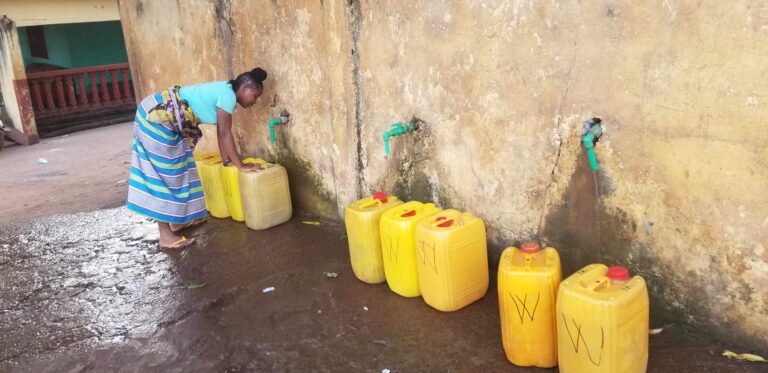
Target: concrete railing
x,y
62,92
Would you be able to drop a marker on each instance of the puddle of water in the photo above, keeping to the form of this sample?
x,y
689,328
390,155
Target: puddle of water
x,y
81,278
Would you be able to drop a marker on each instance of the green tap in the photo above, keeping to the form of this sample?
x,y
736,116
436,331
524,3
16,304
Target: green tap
x,y
398,129
591,131
274,122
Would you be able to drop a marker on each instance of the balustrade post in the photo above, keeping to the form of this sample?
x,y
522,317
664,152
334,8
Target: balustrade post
x,y
81,85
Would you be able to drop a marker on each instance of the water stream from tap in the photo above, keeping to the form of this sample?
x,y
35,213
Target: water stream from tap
x,y
597,204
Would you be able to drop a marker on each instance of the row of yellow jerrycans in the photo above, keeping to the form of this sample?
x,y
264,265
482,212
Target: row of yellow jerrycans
x,y
419,249
598,317
260,198
596,320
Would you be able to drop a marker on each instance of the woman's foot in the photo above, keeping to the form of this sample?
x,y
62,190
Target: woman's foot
x,y
170,241
179,227
181,243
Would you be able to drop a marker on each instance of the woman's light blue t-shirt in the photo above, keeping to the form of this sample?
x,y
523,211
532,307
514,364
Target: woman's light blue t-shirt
x,y
206,97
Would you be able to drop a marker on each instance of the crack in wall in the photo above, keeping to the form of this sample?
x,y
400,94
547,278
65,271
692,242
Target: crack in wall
x,y
355,25
330,100
558,132
223,11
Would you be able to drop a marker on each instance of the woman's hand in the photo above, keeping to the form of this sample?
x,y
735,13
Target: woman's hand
x,y
250,167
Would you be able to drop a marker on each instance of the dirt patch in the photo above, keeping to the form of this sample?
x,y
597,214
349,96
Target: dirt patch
x,y
84,171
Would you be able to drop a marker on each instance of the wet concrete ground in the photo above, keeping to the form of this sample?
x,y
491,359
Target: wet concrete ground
x,y
90,292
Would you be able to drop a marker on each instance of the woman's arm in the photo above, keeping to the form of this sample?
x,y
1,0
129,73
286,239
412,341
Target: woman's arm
x,y
227,141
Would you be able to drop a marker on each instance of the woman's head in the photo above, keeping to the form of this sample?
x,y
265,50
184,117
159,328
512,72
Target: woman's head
x,y
248,86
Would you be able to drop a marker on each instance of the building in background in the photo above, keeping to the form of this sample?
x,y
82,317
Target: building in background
x,y
64,67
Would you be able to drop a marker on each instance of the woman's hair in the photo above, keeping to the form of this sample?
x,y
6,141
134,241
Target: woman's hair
x,y
249,79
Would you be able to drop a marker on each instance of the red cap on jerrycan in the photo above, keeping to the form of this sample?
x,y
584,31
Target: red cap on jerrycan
x,y
530,247
381,196
618,273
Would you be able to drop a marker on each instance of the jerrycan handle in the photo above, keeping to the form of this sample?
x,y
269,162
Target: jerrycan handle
x,y
408,214
264,166
378,199
597,284
443,222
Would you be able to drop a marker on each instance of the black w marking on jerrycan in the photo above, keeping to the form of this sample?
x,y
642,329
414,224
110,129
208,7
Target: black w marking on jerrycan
x,y
426,253
523,309
391,247
577,343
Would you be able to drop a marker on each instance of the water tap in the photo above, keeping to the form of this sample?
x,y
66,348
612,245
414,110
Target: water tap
x,y
399,129
274,122
591,131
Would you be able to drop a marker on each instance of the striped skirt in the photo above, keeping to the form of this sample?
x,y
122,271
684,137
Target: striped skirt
x,y
164,184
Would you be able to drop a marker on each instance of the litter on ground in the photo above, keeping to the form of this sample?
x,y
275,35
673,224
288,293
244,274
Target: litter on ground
x,y
748,357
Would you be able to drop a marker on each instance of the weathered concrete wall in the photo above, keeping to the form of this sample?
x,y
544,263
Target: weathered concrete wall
x,y
302,46
169,44
502,88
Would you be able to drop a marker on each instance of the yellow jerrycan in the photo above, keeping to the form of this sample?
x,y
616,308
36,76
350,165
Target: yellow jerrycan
x,y
231,182
527,283
266,196
203,156
362,220
213,187
200,157
398,245
452,260
602,321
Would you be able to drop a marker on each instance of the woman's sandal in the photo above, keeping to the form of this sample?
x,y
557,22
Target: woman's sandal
x,y
193,223
183,243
